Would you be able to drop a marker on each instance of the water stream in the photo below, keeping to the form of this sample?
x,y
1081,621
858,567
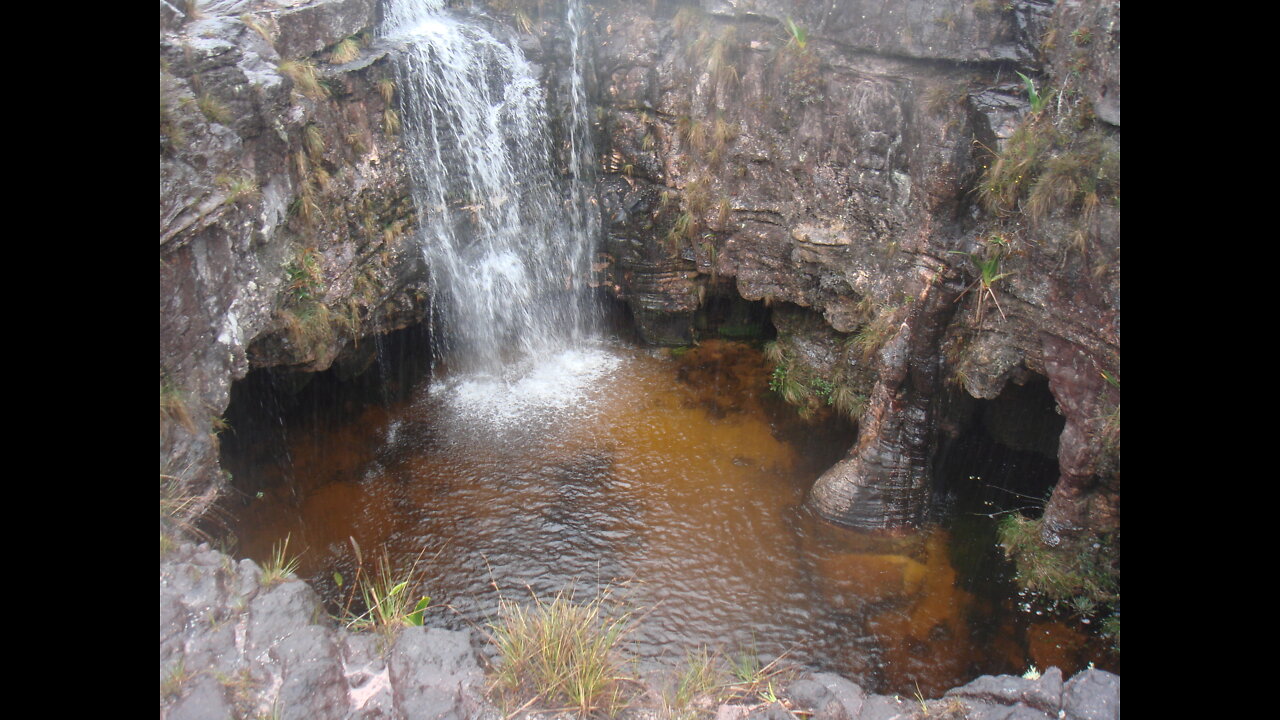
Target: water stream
x,y
507,234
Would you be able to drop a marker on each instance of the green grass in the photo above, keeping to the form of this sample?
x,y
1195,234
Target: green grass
x,y
1037,100
848,402
174,680
277,568
1087,572
1042,168
872,336
799,35
304,279
698,680
988,265
562,654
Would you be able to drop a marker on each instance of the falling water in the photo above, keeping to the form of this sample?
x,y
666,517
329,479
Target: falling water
x,y
508,238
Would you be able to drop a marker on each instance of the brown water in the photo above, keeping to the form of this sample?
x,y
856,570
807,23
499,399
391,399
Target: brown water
x,y
678,479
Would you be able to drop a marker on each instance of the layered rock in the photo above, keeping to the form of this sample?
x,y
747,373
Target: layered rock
x,y
846,158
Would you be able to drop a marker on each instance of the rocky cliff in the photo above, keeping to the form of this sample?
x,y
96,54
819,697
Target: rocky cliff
x,y
935,184
285,218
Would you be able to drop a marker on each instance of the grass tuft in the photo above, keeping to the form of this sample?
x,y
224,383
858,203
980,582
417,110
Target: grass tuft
x,y
391,121
562,653
699,679
313,139
390,600
387,89
304,77
213,109
238,187
344,52
277,568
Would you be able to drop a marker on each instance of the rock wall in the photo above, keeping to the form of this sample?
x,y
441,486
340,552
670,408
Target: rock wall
x,y
285,219
884,166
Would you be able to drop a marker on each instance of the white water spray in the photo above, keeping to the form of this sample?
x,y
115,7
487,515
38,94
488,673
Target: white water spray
x,y
507,236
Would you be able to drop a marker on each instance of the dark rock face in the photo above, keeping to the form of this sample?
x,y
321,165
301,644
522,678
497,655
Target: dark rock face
x,y
285,220
839,157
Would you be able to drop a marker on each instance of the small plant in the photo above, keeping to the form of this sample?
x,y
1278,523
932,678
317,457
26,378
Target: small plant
x,y
278,567
799,36
304,276
174,680
698,678
1031,674
256,25
988,275
924,707
784,382
1082,36
389,600
684,228
391,121
173,404
1037,100
562,653
823,387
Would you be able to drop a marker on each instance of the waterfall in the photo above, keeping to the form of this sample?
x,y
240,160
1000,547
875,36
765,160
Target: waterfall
x,y
508,236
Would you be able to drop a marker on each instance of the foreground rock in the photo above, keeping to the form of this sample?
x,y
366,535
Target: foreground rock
x,y
234,647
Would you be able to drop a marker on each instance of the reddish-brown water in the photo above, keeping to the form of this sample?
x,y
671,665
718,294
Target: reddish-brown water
x,y
680,478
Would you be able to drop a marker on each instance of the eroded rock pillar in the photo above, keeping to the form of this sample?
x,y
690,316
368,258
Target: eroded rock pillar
x,y
884,481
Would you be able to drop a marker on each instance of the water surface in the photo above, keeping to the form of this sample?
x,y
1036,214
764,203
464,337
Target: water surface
x,y
678,481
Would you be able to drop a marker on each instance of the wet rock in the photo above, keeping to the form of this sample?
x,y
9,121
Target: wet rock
x,y
312,683
828,696
884,707
1092,695
1043,694
435,674
206,700
315,25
